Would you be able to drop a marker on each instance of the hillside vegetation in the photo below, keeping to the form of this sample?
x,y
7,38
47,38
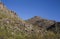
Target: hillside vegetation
x,y
13,27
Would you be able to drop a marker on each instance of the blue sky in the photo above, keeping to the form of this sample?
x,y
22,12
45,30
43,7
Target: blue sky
x,y
48,9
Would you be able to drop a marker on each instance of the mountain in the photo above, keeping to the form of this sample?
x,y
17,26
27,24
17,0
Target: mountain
x,y
44,23
36,20
13,27
10,23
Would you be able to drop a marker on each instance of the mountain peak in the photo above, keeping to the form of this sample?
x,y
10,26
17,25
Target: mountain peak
x,y
37,17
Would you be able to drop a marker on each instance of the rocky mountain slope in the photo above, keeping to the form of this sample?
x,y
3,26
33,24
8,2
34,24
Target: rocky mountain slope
x,y
44,23
13,27
10,23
